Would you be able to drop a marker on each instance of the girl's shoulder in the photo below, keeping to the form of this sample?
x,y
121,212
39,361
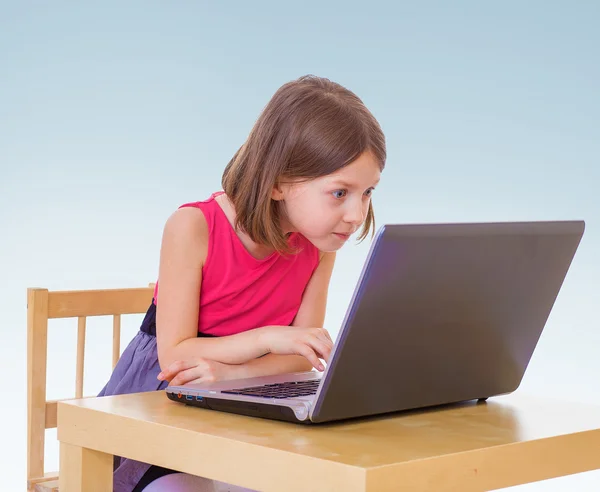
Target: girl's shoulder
x,y
188,229
206,205
199,214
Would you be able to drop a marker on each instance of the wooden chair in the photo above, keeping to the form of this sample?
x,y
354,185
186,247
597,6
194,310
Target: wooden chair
x,y
43,305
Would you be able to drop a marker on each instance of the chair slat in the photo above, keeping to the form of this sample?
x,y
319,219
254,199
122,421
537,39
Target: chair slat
x,y
71,304
116,339
80,356
49,486
43,483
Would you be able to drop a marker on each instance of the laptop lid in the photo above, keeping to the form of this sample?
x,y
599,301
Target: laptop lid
x,y
445,313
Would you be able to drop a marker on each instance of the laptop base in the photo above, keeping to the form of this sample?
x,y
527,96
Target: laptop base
x,y
261,410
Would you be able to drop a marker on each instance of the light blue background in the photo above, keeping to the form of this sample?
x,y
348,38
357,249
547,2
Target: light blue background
x,y
114,114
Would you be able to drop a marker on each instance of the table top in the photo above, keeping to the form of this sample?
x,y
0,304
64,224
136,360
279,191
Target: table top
x,y
471,432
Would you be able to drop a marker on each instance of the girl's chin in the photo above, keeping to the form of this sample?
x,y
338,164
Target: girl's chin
x,y
330,243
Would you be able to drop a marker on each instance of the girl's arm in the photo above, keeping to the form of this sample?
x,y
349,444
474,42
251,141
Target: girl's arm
x,y
183,252
311,314
182,255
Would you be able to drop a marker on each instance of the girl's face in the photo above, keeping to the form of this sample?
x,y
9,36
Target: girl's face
x,y
329,209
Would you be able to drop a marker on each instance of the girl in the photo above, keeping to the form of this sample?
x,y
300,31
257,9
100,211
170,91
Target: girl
x,y
244,274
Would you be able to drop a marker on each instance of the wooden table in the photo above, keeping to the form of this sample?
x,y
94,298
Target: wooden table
x,y
507,441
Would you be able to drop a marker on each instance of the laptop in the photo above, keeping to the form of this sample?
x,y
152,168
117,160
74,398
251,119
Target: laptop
x,y
441,314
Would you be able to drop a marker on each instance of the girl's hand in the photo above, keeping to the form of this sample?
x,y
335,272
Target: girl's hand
x,y
311,343
197,371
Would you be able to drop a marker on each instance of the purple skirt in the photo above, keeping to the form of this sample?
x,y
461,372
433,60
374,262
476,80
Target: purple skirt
x,y
136,372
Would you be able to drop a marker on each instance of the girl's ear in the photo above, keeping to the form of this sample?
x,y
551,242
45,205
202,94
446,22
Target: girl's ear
x,y
277,192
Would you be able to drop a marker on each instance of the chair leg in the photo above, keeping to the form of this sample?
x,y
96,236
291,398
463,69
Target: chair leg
x,y
37,348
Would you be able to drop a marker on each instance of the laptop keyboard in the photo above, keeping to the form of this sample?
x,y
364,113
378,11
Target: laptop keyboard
x,y
279,390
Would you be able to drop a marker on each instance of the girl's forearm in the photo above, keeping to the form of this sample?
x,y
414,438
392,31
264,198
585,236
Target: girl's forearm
x,y
233,349
272,364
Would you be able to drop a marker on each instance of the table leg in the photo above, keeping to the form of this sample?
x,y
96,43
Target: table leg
x,y
84,469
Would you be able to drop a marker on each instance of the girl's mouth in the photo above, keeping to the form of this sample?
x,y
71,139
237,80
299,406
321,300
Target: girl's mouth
x,y
342,236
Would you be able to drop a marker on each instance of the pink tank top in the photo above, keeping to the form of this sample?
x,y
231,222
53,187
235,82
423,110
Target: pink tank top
x,y
240,292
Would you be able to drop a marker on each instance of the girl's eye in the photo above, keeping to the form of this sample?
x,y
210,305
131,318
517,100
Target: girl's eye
x,y
339,193
370,191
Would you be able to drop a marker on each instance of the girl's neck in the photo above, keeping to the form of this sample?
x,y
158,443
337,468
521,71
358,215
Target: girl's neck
x,y
258,251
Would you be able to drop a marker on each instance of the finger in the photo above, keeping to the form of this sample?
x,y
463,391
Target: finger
x,y
175,368
323,334
193,381
196,381
321,347
326,338
187,376
327,335
309,354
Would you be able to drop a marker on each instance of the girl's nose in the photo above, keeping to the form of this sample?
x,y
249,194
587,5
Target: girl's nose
x,y
355,214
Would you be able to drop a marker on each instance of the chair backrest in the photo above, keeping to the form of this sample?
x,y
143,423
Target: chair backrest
x,y
43,305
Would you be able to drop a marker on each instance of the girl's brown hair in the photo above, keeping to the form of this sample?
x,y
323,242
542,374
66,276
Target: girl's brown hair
x,y
310,128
